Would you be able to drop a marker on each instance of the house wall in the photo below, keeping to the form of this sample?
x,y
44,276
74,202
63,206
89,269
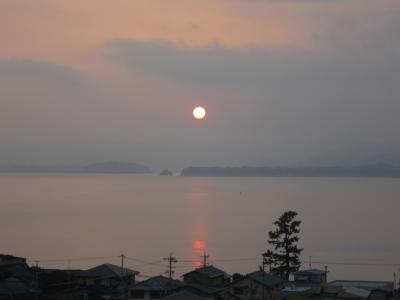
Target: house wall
x,y
247,289
284,295
310,278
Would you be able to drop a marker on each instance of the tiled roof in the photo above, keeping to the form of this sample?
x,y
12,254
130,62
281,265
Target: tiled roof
x,y
266,278
353,292
316,288
108,270
296,289
366,285
310,272
156,284
6,259
209,271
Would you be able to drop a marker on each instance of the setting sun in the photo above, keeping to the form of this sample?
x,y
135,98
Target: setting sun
x,y
199,113
199,245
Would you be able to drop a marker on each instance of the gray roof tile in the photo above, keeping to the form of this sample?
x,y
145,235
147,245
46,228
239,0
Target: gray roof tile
x,y
209,271
266,278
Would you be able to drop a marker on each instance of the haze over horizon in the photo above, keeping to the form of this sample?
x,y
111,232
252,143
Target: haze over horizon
x,y
284,81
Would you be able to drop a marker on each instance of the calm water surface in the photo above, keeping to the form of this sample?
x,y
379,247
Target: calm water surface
x,y
65,219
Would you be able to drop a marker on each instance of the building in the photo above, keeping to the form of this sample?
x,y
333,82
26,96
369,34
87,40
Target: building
x,y
372,290
208,276
13,266
364,284
312,280
293,293
155,288
188,295
109,275
256,285
311,276
307,284
16,278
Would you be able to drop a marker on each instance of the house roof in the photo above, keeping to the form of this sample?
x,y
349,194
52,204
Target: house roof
x,y
108,270
266,278
366,285
353,292
315,288
310,272
16,266
6,259
209,271
297,289
156,284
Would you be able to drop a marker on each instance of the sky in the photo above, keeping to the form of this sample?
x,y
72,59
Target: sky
x,y
284,81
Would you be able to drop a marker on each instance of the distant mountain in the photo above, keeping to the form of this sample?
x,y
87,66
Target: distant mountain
x,y
116,167
361,171
356,156
350,157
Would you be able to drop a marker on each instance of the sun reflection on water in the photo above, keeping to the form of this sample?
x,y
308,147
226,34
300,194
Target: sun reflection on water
x,y
199,231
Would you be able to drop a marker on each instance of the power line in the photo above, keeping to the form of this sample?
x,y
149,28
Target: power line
x,y
188,260
205,261
171,261
155,263
356,264
72,259
205,256
140,260
237,259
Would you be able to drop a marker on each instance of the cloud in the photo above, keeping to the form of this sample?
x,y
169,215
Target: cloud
x,y
33,69
213,64
252,67
283,79
341,96
45,106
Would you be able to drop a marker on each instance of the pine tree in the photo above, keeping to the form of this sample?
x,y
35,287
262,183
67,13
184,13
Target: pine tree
x,y
284,258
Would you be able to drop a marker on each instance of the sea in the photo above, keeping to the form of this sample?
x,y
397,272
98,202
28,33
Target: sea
x,y
77,221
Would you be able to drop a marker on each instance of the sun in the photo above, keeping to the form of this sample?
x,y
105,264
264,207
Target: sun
x,y
199,112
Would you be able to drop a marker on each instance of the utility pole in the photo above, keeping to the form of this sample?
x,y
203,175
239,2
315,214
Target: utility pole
x,y
263,276
69,273
122,264
36,279
309,261
171,260
124,283
37,272
205,256
398,282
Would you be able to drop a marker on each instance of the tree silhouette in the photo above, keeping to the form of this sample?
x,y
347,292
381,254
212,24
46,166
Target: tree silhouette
x,y
284,258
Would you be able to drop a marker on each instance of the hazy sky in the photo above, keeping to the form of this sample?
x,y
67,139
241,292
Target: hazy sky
x,y
283,80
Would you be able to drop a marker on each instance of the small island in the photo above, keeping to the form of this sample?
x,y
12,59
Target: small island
x,y
165,173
